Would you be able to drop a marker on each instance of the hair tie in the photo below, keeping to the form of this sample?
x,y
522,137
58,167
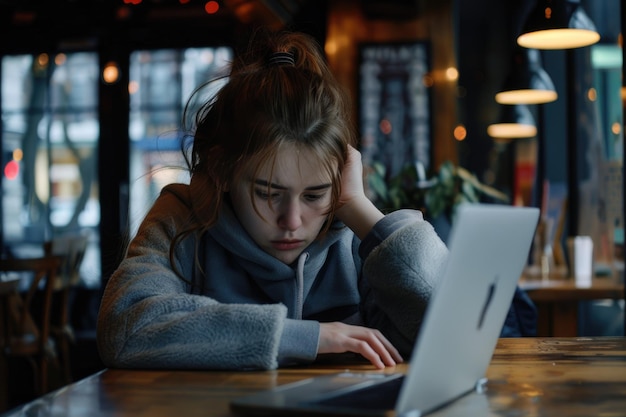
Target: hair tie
x,y
281,58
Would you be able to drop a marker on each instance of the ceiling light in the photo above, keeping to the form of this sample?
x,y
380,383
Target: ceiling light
x,y
515,122
558,24
528,82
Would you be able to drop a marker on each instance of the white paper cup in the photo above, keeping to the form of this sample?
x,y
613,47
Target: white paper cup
x,y
580,250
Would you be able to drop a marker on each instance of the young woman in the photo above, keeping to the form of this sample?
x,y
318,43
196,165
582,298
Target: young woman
x,y
273,254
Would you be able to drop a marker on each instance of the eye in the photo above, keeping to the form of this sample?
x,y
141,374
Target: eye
x,y
264,195
314,197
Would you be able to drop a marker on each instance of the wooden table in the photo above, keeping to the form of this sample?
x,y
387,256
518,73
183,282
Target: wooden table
x,y
527,377
557,301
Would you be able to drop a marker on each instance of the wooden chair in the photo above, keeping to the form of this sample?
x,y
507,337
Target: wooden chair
x,y
8,289
71,250
28,325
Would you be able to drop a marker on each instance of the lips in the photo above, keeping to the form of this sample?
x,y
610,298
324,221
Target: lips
x,y
287,244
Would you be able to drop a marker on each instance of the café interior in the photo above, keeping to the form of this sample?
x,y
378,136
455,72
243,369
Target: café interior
x,y
93,92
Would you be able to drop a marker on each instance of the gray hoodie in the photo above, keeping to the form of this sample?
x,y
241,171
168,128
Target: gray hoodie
x,y
248,310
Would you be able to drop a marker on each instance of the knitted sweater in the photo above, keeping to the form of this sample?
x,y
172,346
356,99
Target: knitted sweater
x,y
248,310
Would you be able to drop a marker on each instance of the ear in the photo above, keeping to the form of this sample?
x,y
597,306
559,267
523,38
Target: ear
x,y
213,162
198,186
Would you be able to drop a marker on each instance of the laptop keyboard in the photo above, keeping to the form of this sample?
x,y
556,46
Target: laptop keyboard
x,y
382,396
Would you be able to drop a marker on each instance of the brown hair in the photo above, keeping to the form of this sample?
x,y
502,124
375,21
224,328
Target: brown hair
x,y
261,107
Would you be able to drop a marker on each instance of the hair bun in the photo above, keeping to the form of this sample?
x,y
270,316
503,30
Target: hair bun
x,y
281,58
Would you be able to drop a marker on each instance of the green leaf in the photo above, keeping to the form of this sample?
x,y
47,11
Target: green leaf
x,y
378,185
453,185
469,192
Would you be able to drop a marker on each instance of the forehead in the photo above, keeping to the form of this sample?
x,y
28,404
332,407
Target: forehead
x,y
294,164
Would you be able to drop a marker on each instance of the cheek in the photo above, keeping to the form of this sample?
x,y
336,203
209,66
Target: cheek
x,y
324,206
242,204
262,211
256,225
317,215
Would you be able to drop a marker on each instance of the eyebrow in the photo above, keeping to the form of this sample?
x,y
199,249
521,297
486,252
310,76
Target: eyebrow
x,y
282,187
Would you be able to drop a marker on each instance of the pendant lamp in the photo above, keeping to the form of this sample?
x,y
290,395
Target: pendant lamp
x,y
528,82
516,122
558,24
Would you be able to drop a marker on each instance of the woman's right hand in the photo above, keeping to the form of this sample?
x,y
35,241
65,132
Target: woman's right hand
x,y
355,209
337,337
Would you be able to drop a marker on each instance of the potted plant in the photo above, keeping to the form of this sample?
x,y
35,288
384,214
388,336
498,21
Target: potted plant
x,y
436,197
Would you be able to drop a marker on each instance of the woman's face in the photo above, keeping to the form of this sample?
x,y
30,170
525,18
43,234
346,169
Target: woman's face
x,y
292,209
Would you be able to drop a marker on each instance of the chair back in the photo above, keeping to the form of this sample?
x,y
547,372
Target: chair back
x,y
71,249
28,325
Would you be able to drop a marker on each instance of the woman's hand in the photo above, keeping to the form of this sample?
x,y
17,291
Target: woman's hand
x,y
339,337
355,209
352,178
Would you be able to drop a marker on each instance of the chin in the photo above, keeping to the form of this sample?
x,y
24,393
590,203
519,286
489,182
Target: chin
x,y
286,258
287,261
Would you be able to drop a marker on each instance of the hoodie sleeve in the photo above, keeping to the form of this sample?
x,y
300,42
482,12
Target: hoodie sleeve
x,y
403,258
148,318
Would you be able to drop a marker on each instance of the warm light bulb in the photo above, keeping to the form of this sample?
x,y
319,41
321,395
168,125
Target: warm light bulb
x,y
526,96
18,154
558,38
110,73
592,94
42,59
511,130
460,133
452,74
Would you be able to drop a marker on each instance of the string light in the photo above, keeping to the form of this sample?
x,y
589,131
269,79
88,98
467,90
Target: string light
x,y
110,73
211,7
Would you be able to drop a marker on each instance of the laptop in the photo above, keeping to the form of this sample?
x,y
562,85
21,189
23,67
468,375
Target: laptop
x,y
489,246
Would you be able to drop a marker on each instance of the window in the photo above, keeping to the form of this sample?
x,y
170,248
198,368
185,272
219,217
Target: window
x,y
49,152
161,83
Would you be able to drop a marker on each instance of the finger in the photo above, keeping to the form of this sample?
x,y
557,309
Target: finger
x,y
383,348
390,347
389,354
379,345
364,349
369,343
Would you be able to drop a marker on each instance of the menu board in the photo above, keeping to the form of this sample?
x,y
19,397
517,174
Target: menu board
x,y
394,105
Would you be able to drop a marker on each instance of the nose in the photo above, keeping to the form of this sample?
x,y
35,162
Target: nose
x,y
290,216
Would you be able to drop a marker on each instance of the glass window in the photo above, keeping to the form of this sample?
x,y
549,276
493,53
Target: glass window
x,y
161,82
49,153
606,63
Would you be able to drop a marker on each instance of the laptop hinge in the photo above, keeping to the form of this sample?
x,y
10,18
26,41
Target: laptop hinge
x,y
481,385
